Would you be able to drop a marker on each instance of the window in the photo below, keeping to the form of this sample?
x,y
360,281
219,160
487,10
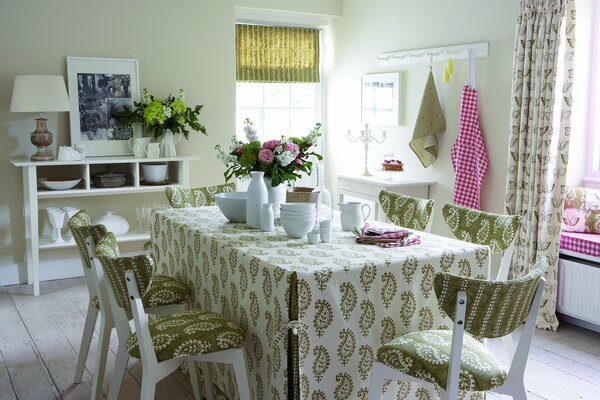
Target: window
x,y
279,85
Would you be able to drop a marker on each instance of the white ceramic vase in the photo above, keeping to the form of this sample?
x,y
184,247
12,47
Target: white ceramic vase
x,y
276,195
167,145
257,196
267,223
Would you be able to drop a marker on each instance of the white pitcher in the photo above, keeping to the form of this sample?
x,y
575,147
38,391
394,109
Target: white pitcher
x,y
138,146
152,150
353,214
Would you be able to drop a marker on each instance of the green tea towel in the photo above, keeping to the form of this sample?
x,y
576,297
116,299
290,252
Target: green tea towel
x,y
430,122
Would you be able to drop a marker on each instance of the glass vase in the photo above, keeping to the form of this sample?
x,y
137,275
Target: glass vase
x,y
325,205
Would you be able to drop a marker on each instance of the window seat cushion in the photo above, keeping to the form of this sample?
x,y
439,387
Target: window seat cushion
x,y
583,243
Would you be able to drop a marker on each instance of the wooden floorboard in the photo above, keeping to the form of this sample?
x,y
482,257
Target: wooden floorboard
x,y
40,338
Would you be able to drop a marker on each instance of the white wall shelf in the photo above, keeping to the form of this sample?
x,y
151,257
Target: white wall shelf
x,y
419,56
178,175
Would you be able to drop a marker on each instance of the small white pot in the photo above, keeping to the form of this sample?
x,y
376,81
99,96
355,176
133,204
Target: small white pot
x,y
113,223
154,172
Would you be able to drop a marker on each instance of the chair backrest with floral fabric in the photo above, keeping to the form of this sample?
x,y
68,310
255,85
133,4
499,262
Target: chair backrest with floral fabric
x,y
494,308
114,268
81,226
406,211
196,197
479,227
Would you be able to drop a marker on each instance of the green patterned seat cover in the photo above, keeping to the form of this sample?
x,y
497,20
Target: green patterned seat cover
x,y
189,333
425,355
480,227
198,197
156,290
406,211
494,309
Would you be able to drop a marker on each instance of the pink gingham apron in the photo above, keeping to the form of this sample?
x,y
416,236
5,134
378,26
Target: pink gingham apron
x,y
469,157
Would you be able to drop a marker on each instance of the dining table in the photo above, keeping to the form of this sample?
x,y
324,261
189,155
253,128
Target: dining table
x,y
314,314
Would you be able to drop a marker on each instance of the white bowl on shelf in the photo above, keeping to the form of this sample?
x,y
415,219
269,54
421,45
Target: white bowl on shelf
x,y
154,172
59,183
114,223
232,205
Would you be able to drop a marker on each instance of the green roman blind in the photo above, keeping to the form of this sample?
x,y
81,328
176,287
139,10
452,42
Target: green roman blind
x,y
276,54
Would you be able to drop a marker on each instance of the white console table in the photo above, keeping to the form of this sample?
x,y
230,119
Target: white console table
x,y
368,187
178,174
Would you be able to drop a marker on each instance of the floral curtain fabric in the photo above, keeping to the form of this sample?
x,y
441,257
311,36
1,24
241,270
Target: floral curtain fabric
x,y
276,54
538,147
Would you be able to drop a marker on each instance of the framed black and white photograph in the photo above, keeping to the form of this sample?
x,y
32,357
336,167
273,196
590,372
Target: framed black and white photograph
x,y
380,99
98,88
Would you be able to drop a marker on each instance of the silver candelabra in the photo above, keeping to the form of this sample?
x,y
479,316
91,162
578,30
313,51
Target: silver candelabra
x,y
366,137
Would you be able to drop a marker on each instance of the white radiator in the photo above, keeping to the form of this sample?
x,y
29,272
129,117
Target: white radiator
x,y
579,289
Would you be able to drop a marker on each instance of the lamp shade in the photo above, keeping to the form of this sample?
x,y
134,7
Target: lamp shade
x,y
39,93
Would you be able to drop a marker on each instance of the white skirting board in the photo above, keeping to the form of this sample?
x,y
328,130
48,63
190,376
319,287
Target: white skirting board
x,y
14,274
578,294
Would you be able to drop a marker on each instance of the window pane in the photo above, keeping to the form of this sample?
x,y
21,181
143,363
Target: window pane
x,y
277,94
302,121
303,94
277,122
249,94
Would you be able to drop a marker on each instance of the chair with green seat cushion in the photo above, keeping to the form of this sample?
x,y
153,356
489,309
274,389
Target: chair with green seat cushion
x,y
165,343
196,197
455,361
406,211
497,231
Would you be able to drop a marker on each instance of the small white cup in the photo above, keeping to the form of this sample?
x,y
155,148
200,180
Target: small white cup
x,y
325,231
313,237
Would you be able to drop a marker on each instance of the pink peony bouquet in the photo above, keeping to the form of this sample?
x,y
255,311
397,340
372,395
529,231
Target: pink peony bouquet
x,y
282,160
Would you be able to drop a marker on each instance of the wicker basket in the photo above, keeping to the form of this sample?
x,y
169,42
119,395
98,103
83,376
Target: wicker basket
x,y
109,179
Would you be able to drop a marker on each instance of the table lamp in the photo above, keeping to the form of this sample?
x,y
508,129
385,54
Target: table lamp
x,y
40,93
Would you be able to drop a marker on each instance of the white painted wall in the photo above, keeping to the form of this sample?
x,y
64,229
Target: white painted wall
x,y
368,28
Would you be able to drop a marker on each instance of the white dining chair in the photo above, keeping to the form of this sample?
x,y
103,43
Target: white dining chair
x,y
406,211
191,336
453,359
167,296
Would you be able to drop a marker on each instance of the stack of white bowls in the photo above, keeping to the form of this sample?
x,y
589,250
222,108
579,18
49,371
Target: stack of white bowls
x,y
298,219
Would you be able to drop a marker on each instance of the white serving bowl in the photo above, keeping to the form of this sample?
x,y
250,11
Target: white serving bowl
x,y
298,228
232,205
298,207
298,217
154,172
59,183
114,223
298,214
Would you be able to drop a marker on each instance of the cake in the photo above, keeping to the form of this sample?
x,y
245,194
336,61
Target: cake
x,y
392,165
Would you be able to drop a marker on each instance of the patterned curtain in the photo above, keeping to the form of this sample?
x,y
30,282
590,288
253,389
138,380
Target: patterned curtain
x,y
539,141
277,54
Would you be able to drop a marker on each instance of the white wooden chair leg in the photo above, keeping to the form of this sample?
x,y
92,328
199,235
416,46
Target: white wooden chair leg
x,y
376,381
86,341
118,373
100,364
148,386
194,378
509,346
208,383
241,375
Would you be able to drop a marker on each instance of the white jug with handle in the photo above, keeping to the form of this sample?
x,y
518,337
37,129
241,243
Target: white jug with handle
x,y
353,214
138,146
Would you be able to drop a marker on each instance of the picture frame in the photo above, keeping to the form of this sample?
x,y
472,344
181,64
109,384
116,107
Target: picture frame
x,y
380,99
99,87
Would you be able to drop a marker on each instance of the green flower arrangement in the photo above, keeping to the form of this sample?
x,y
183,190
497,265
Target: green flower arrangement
x,y
159,115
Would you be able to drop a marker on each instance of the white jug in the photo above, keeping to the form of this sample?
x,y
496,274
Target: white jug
x,y
353,214
138,146
152,150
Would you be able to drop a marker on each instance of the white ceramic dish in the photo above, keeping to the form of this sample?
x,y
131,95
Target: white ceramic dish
x,y
298,206
114,223
298,229
232,205
298,214
59,183
299,218
154,172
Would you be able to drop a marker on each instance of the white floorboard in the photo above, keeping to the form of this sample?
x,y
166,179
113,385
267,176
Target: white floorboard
x,y
40,337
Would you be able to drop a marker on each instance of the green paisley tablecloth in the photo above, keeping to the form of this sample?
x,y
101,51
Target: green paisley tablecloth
x,y
352,298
